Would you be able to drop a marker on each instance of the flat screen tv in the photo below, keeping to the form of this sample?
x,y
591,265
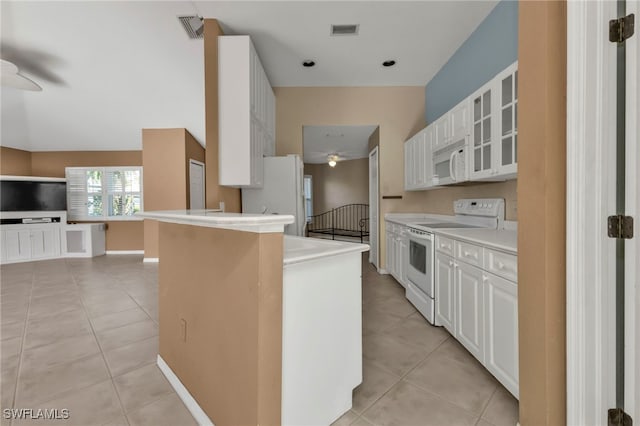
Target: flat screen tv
x,y
21,195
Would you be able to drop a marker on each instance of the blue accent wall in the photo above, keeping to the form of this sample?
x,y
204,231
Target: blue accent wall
x,y
488,50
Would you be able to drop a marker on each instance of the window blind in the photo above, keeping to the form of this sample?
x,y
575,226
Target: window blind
x,y
95,193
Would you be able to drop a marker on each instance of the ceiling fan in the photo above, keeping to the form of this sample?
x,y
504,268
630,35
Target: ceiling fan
x,y
11,77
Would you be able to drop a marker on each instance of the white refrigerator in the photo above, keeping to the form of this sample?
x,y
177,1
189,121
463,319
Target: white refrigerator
x,y
281,192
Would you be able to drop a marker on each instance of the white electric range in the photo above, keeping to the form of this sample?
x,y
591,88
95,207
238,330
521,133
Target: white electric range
x,y
470,213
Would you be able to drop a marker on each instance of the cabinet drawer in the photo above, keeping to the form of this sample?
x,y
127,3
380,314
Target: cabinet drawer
x,y
444,245
469,253
502,264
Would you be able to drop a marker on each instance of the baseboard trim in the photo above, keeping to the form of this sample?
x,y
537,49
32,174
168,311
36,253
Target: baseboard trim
x,y
151,260
124,252
198,414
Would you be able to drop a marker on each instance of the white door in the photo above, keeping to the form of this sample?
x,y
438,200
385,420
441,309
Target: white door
x,y
196,185
469,308
501,330
373,207
445,292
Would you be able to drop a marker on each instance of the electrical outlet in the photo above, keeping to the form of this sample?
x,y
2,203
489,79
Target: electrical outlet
x,y
183,330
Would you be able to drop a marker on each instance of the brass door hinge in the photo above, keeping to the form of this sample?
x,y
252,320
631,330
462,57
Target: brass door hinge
x,y
620,227
617,417
621,29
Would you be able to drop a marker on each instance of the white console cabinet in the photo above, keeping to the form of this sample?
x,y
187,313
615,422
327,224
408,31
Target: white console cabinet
x,y
38,235
28,236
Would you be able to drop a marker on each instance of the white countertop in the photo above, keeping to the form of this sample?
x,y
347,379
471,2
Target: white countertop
x,y
499,239
301,249
214,218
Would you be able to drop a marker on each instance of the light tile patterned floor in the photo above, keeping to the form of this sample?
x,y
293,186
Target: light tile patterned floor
x,y
82,334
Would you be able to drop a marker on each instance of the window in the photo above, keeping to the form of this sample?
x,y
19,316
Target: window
x,y
101,193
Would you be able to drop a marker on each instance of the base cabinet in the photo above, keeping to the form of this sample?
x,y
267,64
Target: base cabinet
x,y
445,290
501,330
21,243
397,242
469,306
477,302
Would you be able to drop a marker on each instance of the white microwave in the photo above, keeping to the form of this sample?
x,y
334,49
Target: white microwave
x,y
450,163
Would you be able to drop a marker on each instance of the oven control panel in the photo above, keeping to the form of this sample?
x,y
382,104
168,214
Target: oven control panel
x,y
491,207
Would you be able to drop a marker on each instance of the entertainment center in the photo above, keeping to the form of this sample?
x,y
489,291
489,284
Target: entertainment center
x,y
33,222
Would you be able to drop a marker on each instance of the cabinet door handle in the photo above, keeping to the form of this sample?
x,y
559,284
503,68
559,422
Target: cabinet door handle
x,y
451,263
500,265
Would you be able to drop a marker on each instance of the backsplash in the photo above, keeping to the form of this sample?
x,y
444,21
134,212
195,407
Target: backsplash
x,y
440,201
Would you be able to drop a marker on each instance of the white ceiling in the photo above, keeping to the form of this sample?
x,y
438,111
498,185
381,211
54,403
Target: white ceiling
x,y
109,69
348,142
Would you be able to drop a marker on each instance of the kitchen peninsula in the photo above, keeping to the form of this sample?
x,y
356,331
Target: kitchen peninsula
x,y
257,327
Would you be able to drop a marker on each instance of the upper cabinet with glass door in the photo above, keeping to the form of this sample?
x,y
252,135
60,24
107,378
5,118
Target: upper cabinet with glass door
x,y
483,132
494,135
508,146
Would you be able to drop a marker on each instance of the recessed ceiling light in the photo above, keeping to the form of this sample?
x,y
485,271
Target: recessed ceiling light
x,y
389,63
308,63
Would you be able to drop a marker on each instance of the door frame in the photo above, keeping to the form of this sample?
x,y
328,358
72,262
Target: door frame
x,y
204,180
590,254
632,208
375,239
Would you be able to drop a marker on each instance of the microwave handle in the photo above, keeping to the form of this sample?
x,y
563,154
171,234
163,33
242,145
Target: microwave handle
x,y
451,166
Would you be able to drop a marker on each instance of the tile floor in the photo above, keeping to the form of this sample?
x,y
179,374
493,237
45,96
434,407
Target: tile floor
x,y
82,334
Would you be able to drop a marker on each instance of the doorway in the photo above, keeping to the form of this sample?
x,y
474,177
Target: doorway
x,y
373,207
196,185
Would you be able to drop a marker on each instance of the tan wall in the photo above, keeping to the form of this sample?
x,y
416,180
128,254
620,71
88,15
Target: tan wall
x,y
15,162
347,183
399,112
224,285
541,228
165,178
214,192
120,235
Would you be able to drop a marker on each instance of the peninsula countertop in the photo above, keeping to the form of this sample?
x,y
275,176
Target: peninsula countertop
x,y
301,249
216,219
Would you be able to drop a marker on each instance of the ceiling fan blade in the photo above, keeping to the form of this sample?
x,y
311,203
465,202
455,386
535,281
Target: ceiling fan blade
x,y
18,81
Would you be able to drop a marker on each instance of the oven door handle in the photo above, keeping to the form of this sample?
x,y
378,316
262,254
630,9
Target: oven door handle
x,y
426,236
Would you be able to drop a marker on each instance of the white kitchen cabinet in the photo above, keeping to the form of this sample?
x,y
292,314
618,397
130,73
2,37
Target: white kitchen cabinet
x,y
397,251
501,330
459,121
417,160
246,113
409,184
507,151
470,309
442,132
445,289
483,134
404,255
391,252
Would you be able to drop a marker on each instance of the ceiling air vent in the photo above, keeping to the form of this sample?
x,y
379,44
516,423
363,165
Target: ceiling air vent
x,y
337,30
193,25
